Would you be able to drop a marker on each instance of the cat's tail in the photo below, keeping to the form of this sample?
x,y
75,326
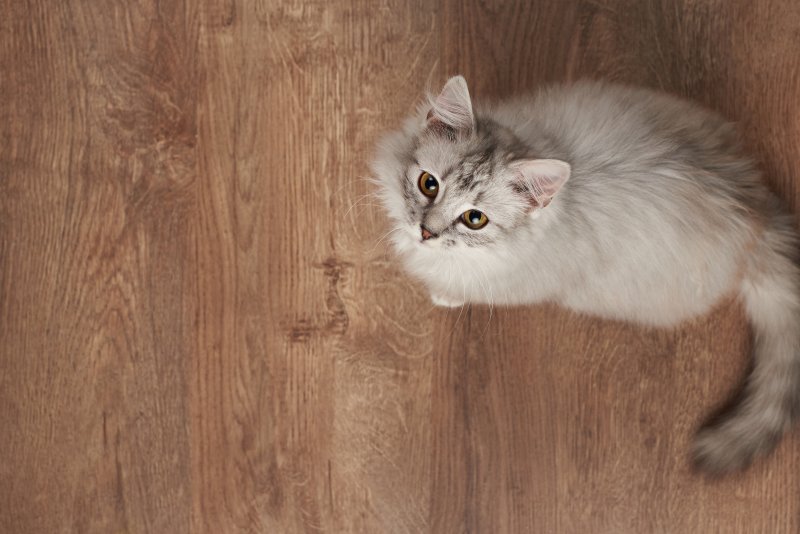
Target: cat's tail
x,y
770,403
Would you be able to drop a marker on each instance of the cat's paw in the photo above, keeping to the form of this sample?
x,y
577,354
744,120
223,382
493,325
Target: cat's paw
x,y
445,302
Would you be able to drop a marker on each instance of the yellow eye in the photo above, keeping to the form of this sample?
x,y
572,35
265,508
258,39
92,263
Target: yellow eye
x,y
428,185
474,219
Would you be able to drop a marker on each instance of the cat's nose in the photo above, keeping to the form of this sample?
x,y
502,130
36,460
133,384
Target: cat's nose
x,y
426,234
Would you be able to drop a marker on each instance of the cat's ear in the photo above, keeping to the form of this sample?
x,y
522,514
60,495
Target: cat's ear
x,y
452,109
540,179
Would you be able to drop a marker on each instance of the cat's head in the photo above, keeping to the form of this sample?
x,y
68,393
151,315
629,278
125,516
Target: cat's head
x,y
452,180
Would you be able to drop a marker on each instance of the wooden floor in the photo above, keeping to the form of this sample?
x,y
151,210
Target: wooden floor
x,y
201,329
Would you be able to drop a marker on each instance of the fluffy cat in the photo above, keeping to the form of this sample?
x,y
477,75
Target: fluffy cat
x,y
614,201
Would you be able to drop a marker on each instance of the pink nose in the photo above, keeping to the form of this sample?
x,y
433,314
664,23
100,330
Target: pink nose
x,y
426,234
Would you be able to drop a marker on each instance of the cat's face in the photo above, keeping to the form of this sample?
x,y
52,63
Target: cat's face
x,y
458,192
452,184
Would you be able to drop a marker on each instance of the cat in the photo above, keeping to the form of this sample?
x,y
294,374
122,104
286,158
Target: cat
x,y
614,201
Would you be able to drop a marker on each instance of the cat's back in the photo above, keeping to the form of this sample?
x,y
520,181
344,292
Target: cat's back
x,y
594,123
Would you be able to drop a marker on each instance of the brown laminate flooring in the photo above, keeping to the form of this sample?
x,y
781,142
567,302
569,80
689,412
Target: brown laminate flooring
x,y
202,330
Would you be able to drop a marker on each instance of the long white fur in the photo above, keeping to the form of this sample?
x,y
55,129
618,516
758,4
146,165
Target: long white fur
x,y
661,217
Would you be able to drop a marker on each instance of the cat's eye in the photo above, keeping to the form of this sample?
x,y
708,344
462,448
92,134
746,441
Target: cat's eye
x,y
428,185
474,219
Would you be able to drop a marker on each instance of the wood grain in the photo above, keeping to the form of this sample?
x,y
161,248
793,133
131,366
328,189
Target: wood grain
x,y
202,330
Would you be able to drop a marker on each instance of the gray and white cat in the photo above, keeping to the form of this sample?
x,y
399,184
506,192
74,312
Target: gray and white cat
x,y
614,201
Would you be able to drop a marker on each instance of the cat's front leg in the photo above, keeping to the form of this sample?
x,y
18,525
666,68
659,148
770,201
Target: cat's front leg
x,y
446,302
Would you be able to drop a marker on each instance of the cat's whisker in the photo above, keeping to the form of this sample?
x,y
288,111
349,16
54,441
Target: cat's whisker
x,y
463,300
364,207
491,293
381,239
490,297
351,183
463,304
356,203
384,236
449,284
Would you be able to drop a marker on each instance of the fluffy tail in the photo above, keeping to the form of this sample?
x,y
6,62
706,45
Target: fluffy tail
x,y
771,293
